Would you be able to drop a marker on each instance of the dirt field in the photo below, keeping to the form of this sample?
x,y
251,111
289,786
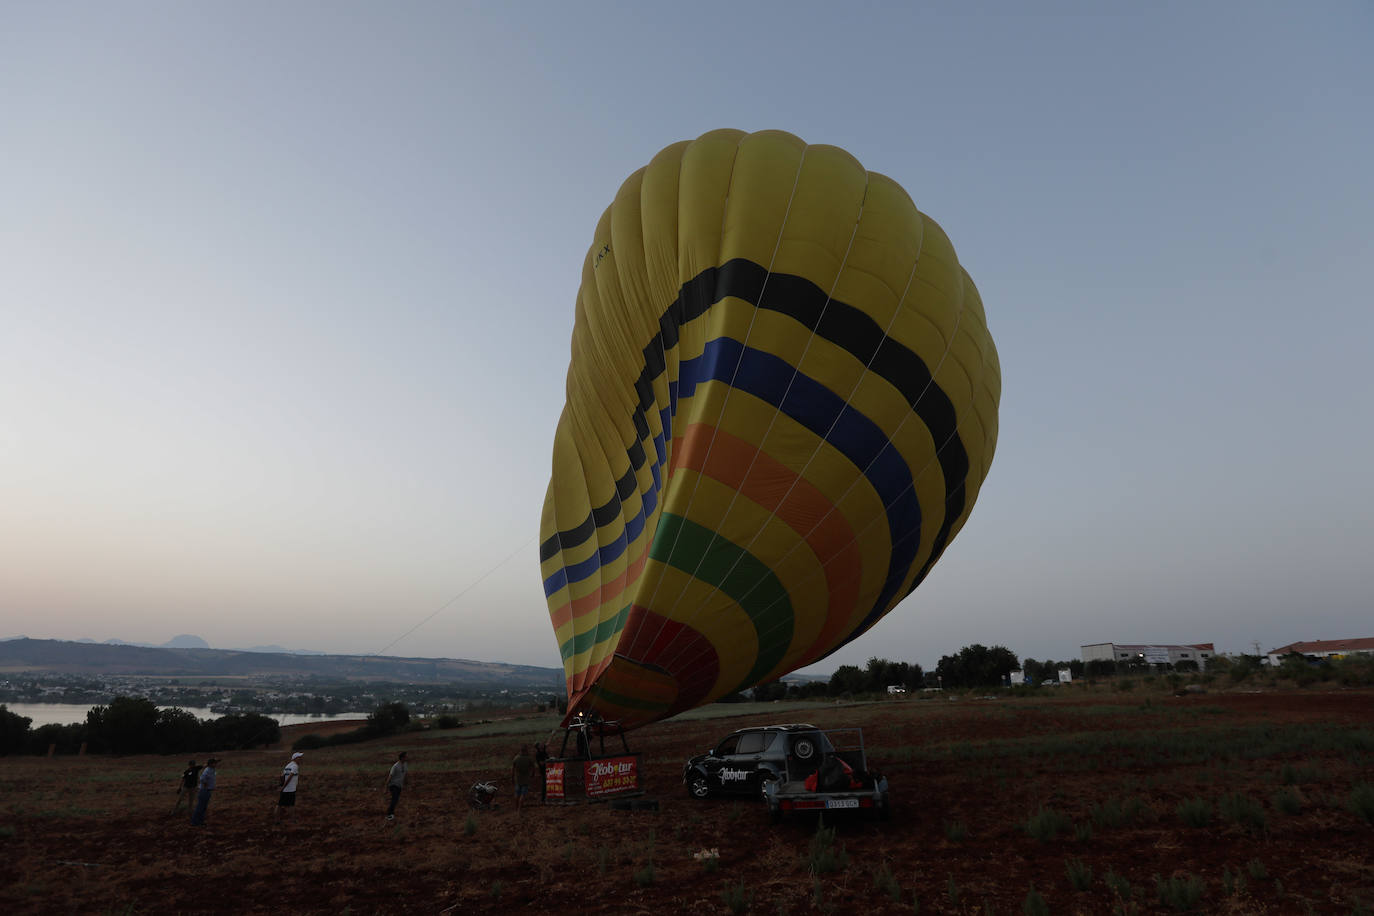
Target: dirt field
x,y
1109,782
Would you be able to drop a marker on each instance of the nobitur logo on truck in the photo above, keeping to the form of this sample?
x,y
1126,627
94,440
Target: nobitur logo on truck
x,y
612,775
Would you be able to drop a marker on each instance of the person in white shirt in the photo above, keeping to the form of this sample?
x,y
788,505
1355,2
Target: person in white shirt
x,y
290,778
395,782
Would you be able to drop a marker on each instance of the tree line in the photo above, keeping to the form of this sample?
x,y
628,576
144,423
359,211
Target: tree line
x,y
135,725
972,666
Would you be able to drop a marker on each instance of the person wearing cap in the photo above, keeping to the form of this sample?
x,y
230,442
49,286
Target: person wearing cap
x,y
205,784
290,777
395,782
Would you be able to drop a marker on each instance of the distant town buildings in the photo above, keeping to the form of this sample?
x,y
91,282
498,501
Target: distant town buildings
x,y
1323,648
1153,654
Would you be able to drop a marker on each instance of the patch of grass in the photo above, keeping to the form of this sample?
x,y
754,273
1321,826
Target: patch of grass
x,y
603,860
886,883
1256,870
1293,775
823,856
956,832
737,897
1180,892
1116,812
1288,801
1195,812
1047,823
1362,801
6,832
496,889
952,891
1083,832
1034,904
644,877
470,825
1080,874
1233,884
1118,885
1243,811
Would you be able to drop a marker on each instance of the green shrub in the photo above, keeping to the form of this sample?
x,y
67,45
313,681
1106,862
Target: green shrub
x,y
470,825
823,856
1047,823
886,883
1180,892
1242,810
644,877
1195,812
1288,801
1080,875
1233,884
1125,685
1292,775
1255,868
956,832
1034,904
1362,802
737,897
1118,885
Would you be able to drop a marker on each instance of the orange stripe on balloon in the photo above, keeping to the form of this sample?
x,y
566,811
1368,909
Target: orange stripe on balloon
x,y
728,459
575,608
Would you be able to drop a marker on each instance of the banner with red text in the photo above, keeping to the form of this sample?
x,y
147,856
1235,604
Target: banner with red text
x,y
612,776
553,780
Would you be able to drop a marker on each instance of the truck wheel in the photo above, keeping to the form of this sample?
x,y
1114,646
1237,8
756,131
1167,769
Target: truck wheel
x,y
698,787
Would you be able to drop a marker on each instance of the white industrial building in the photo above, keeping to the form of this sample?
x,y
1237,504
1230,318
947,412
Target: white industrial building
x,y
1323,648
1153,654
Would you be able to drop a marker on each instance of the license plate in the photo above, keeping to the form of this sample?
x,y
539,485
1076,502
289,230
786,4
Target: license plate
x,y
842,803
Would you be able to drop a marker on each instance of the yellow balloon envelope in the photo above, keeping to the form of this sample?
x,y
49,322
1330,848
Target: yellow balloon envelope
x,y
781,404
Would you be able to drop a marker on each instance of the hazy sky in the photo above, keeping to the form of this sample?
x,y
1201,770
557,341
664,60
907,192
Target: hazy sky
x,y
286,293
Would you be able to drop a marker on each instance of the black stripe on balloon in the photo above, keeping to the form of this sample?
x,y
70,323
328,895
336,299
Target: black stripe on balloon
x,y
840,323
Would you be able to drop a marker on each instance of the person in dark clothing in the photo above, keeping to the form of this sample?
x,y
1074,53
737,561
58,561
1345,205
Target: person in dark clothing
x,y
541,759
522,767
190,777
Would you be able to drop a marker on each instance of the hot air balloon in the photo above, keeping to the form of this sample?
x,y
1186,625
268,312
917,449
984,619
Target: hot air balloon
x,y
781,404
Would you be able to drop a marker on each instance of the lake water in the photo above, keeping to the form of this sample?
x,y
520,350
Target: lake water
x,y
71,713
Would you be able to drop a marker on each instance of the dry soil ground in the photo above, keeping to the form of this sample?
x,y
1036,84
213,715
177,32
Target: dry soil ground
x,y
1273,773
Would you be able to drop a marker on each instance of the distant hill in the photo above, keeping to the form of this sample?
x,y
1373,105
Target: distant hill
x,y
186,641
64,657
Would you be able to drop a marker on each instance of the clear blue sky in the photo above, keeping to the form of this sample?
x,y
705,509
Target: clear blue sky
x,y
286,292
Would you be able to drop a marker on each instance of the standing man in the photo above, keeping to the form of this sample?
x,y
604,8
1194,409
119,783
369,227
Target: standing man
x,y
395,782
541,760
523,768
290,778
190,780
205,784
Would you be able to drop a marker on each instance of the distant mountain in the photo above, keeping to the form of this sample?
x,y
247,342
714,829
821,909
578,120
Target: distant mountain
x,y
186,641
63,657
